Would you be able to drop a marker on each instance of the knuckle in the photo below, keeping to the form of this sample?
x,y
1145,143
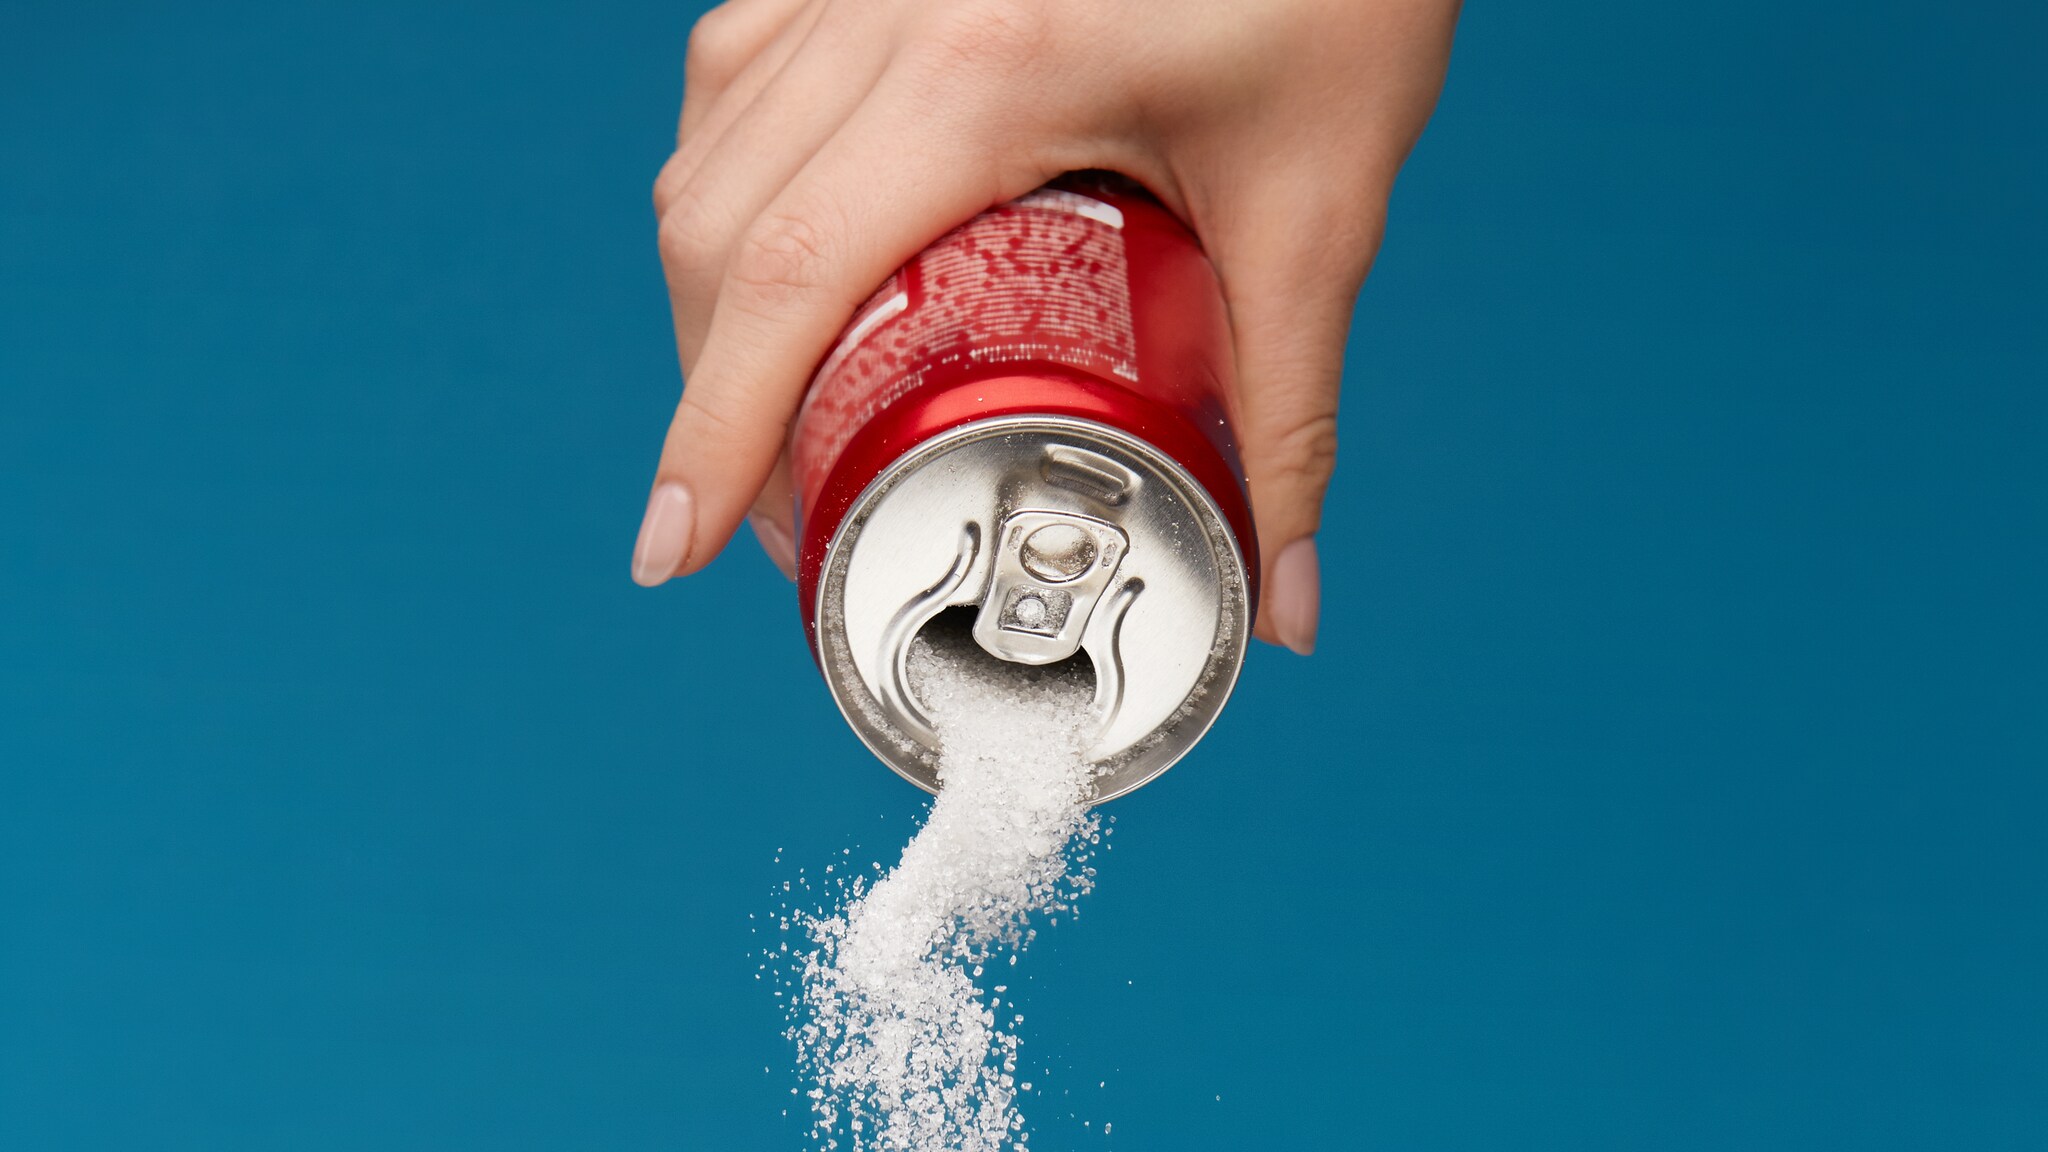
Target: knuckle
x,y
691,237
667,184
785,255
717,48
1305,451
993,38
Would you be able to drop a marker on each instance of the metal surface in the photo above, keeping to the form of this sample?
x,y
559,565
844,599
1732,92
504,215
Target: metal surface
x,y
1050,570
1063,535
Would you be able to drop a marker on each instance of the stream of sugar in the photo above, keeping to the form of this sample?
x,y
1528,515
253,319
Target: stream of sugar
x,y
902,1048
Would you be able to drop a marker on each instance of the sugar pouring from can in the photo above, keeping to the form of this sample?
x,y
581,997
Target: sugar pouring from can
x,y
1031,421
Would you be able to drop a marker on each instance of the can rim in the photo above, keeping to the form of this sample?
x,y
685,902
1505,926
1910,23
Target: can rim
x,y
1212,512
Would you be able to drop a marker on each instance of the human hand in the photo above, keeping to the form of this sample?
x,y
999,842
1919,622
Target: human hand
x,y
824,142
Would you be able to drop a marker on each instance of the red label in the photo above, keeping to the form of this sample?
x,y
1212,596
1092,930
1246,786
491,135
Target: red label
x,y
1042,279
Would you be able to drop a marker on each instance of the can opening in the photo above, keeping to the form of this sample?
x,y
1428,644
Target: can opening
x,y
951,635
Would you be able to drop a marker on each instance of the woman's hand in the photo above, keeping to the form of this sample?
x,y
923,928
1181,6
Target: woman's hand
x,y
824,142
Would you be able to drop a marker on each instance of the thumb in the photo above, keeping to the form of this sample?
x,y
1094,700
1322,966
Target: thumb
x,y
1291,285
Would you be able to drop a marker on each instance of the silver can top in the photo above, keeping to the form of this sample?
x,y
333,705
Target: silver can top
x,y
1063,537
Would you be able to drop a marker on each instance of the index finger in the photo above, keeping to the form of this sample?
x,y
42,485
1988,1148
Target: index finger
x,y
895,177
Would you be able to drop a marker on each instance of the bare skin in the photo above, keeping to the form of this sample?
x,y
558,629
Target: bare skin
x,y
824,142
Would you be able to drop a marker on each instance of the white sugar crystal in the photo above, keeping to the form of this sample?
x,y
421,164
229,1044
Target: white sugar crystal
x,y
900,1044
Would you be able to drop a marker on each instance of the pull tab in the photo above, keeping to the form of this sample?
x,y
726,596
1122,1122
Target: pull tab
x,y
1050,569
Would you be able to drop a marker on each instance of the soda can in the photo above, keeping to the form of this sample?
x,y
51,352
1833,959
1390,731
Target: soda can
x,y
1031,421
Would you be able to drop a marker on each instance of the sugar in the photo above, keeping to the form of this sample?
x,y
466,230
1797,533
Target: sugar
x,y
903,1050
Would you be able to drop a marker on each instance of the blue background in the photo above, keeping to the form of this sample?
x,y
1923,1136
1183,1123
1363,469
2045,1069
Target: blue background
x,y
1671,774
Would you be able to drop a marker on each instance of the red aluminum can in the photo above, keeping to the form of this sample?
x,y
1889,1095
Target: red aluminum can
x,y
1032,419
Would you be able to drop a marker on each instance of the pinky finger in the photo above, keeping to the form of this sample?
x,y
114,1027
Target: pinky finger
x,y
724,41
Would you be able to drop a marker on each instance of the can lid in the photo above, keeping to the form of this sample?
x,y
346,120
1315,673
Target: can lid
x,y
1064,536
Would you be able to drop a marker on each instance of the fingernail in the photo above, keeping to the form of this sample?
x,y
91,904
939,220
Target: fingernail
x,y
664,534
1295,595
776,543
